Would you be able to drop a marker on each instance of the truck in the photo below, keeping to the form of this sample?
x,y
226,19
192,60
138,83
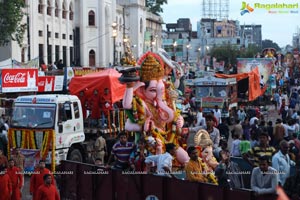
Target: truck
x,y
211,91
52,125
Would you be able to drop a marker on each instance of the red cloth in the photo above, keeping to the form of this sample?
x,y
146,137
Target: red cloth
x,y
3,161
47,192
95,106
5,187
16,181
37,179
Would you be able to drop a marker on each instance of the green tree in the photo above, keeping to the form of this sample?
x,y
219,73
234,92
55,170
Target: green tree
x,y
155,6
270,44
226,52
11,14
250,51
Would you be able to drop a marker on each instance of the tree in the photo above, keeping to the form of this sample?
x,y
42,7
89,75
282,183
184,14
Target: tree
x,y
11,14
270,44
250,51
226,52
155,6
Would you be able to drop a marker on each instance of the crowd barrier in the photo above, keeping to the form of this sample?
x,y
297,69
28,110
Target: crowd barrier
x,y
86,183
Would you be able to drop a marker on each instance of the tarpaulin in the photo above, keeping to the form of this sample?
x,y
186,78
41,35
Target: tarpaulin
x,y
107,78
254,89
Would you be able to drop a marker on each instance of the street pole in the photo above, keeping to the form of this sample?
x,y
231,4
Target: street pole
x,y
174,45
114,35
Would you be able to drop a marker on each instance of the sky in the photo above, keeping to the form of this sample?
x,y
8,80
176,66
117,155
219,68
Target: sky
x,y
278,27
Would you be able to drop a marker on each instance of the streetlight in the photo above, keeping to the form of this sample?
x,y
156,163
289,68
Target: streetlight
x,y
187,52
174,49
199,54
114,35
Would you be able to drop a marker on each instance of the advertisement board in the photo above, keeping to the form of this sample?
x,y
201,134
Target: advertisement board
x,y
20,80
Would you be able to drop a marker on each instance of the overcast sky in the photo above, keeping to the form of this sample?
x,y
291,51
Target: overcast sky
x,y
277,27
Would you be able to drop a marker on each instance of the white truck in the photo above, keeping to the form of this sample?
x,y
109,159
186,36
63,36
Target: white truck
x,y
36,117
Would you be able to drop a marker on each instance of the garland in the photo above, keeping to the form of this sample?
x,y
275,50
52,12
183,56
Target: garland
x,y
108,122
23,139
210,176
121,120
32,140
53,151
44,147
138,110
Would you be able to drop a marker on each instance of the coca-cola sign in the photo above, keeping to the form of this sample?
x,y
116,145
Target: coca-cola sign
x,y
14,78
19,80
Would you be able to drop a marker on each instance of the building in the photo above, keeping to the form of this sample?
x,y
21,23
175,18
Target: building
x,y
252,33
185,46
85,33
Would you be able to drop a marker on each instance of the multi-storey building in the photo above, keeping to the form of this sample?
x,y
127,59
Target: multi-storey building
x,y
252,33
80,32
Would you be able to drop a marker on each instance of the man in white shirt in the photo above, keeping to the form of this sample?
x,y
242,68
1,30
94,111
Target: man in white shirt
x,y
217,114
162,161
282,162
200,119
264,179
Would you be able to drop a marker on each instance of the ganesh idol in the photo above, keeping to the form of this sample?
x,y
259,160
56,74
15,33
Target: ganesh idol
x,y
147,109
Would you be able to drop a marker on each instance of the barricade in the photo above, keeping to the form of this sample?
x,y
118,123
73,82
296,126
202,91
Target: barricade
x,y
88,183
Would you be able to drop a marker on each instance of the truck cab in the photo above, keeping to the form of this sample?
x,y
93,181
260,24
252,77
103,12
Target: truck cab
x,y
35,116
211,91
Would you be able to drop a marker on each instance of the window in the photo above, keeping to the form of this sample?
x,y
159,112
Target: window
x,y
40,7
40,33
56,9
49,9
71,14
92,59
91,18
23,55
56,35
64,36
71,37
141,25
76,110
64,12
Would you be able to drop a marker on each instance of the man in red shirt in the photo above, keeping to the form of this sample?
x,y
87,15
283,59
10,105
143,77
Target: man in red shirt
x,y
47,191
3,159
16,178
5,184
37,180
95,108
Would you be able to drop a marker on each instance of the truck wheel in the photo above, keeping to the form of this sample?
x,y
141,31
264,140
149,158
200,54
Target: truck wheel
x,y
75,155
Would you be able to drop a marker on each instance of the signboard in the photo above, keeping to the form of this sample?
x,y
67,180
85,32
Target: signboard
x,y
210,102
265,66
50,83
32,158
19,80
80,71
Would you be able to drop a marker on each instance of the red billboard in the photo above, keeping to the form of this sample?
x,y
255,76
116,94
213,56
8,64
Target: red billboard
x,y
19,80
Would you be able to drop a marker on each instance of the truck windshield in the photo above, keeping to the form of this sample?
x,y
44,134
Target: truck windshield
x,y
33,116
219,91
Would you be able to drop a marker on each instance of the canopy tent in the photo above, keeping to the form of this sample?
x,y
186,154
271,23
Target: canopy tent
x,y
254,89
107,78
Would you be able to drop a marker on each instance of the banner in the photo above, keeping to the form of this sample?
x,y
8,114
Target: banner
x,y
50,83
265,66
19,80
211,102
32,158
80,71
32,64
